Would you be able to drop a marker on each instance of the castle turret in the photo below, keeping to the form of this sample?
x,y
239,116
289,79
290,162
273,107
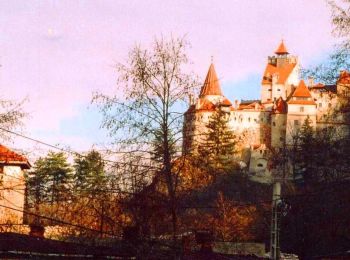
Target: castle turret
x,y
281,72
211,90
278,123
197,116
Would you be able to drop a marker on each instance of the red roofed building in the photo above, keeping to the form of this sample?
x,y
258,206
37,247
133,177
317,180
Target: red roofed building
x,y
270,122
211,84
343,83
12,167
344,77
301,107
198,114
281,73
281,50
8,157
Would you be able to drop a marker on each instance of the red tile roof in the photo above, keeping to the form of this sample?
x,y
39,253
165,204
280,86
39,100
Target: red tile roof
x,y
9,157
302,102
254,105
344,77
302,90
281,49
206,105
211,84
317,86
282,72
226,102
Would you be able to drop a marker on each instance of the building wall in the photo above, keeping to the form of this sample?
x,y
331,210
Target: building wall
x,y
274,90
12,195
296,118
326,103
266,93
294,77
278,130
279,90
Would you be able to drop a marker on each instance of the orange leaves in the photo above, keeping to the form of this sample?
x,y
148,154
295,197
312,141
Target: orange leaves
x,y
232,221
191,177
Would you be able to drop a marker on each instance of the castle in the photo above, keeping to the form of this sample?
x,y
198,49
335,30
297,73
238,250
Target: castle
x,y
271,122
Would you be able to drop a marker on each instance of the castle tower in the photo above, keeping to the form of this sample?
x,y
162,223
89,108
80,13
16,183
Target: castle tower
x,y
211,90
278,123
281,73
301,106
343,84
198,114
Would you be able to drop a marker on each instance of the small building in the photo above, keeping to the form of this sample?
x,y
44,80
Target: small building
x,y
12,186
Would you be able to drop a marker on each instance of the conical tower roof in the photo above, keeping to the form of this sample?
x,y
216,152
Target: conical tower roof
x,y
281,49
211,84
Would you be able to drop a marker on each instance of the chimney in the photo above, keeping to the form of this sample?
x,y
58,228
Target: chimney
x,y
205,239
311,82
37,231
190,97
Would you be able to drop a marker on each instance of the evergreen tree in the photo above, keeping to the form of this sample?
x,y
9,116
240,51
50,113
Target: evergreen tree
x,y
89,174
303,151
217,151
36,181
48,182
55,172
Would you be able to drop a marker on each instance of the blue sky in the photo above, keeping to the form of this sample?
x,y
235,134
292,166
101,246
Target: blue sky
x,y
57,53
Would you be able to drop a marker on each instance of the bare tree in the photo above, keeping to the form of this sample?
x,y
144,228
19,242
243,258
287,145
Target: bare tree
x,y
11,116
145,115
339,59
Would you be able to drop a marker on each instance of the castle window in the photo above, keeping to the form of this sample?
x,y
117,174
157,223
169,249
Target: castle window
x,y
260,165
296,122
269,89
278,89
301,109
248,119
273,123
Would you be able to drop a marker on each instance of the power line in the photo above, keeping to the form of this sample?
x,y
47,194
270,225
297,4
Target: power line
x,y
114,163
56,220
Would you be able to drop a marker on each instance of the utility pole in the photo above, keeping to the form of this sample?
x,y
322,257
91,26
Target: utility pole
x,y
275,222
102,218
